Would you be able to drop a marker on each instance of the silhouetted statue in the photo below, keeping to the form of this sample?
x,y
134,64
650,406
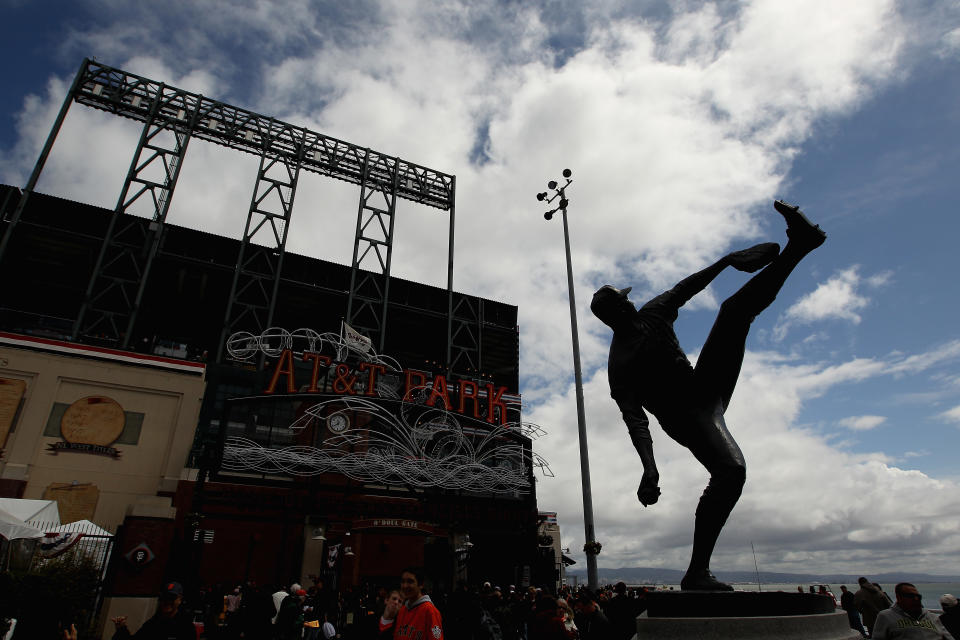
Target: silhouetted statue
x,y
647,369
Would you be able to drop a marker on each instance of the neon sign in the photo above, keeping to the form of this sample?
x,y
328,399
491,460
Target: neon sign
x,y
405,427
367,378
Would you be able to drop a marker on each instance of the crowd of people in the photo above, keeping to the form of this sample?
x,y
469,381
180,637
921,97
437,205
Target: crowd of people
x,y
486,612
875,615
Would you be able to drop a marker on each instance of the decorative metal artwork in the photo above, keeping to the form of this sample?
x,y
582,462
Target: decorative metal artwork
x,y
245,346
390,439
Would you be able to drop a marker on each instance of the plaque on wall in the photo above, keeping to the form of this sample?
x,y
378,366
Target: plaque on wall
x,y
96,420
90,425
75,501
11,394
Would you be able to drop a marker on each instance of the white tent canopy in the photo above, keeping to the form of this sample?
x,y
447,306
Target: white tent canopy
x,y
31,511
13,528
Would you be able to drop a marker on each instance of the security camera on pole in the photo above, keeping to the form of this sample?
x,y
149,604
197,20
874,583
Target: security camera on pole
x,y
592,547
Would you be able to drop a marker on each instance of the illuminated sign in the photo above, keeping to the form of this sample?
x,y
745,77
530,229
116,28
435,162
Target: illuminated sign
x,y
392,523
463,396
374,375
374,421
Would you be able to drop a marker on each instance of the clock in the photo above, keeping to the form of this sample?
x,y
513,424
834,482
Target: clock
x,y
337,422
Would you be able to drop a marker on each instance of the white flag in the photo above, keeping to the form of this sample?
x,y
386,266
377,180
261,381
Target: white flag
x,y
356,340
332,553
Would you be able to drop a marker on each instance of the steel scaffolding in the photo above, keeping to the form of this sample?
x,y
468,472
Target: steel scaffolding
x,y
171,117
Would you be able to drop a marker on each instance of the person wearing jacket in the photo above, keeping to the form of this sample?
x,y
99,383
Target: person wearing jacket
x,y
853,616
869,601
589,618
951,614
547,622
621,610
908,620
389,617
289,625
418,618
166,624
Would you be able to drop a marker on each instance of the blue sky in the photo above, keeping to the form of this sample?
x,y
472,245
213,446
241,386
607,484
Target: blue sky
x,y
681,122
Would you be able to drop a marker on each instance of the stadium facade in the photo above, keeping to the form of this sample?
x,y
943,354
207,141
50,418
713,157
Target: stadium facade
x,y
240,412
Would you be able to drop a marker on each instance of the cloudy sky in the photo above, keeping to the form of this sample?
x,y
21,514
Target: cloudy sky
x,y
681,121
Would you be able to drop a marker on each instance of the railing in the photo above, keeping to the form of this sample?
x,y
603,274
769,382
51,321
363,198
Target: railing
x,y
94,545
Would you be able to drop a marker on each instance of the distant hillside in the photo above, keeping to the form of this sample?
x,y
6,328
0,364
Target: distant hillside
x,y
653,575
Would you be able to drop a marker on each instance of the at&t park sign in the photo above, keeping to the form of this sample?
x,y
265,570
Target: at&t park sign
x,y
381,422
372,376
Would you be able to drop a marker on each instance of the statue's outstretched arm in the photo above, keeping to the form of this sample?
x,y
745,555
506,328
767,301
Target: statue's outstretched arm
x,y
748,260
691,285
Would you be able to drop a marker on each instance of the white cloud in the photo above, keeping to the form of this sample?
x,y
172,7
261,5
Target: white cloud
x,y
951,415
836,299
950,43
862,423
922,361
879,279
678,139
783,506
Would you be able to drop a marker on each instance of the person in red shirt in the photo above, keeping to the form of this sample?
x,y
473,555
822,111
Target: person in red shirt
x,y
418,618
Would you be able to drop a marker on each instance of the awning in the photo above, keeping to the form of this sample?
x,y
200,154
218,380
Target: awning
x,y
32,511
567,560
13,528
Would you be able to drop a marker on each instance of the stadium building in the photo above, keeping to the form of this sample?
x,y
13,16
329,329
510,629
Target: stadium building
x,y
238,412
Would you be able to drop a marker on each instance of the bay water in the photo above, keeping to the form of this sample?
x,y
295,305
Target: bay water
x,y
931,591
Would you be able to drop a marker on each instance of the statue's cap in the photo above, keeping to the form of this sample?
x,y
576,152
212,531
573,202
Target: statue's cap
x,y
609,289
608,304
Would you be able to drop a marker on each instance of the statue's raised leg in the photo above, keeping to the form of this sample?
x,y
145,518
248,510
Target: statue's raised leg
x,y
716,373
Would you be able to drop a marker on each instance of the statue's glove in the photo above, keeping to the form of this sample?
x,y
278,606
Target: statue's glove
x,y
754,258
649,492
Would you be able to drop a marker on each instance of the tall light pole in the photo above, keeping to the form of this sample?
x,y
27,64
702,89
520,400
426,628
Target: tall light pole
x,y
591,548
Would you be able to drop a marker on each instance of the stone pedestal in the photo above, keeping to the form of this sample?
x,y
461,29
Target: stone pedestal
x,y
746,615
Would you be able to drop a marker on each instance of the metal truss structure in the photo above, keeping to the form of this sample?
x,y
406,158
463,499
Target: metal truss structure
x,y
171,117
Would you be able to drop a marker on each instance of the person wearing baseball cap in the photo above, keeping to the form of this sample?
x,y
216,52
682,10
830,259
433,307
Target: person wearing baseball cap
x,y
168,623
951,614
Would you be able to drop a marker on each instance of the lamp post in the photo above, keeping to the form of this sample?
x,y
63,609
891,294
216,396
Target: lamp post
x,y
591,546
